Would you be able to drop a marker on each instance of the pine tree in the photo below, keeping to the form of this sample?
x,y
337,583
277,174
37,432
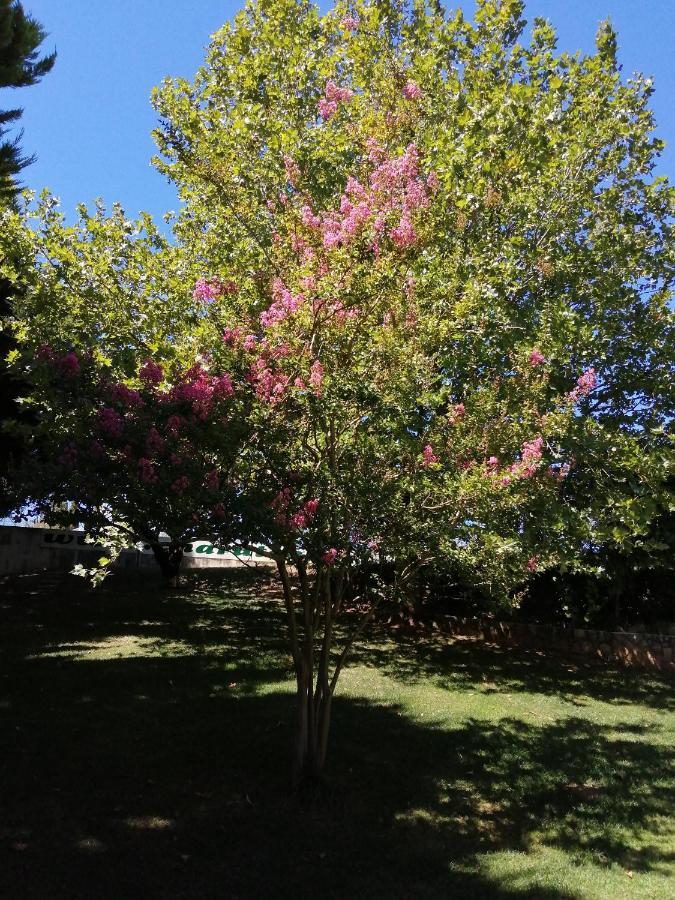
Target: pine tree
x,y
20,66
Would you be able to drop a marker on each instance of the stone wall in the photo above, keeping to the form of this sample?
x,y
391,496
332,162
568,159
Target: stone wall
x,y
648,651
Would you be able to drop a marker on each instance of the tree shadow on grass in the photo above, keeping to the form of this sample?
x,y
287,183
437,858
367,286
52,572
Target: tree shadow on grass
x,y
467,664
245,604
142,777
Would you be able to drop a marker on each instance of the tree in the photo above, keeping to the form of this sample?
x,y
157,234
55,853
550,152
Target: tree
x,y
439,269
137,429
20,66
20,37
456,266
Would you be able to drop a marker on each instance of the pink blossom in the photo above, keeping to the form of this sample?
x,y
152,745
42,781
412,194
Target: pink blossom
x,y
428,456
506,480
206,291
126,396
173,424
279,351
433,182
180,485
329,557
298,520
310,508
316,377
355,189
375,150
309,218
531,453
308,282
282,499
69,365
250,342
299,384
270,386
585,384
327,108
334,95
232,335
222,386
146,471
110,421
349,23
404,233
154,442
412,90
151,372
532,564
284,304
45,353
536,358
333,92
456,413
493,462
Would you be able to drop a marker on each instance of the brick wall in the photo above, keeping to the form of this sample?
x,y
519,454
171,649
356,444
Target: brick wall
x,y
649,651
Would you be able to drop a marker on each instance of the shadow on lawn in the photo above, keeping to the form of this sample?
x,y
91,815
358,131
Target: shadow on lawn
x,y
466,664
145,775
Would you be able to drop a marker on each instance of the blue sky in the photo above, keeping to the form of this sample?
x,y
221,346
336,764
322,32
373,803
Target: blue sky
x,y
90,119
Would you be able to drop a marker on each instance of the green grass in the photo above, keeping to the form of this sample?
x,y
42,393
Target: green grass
x,y
145,752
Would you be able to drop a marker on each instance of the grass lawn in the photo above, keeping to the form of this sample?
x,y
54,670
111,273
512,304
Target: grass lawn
x,y
145,752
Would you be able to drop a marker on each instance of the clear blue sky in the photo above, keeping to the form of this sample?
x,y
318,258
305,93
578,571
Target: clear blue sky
x,y
90,119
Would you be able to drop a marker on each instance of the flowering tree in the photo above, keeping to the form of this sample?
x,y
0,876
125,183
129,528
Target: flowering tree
x,y
138,427
431,265
452,274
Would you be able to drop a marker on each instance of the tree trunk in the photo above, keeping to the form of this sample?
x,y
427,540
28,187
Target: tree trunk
x,y
169,558
311,610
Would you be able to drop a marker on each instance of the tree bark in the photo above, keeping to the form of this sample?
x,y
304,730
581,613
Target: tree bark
x,y
309,607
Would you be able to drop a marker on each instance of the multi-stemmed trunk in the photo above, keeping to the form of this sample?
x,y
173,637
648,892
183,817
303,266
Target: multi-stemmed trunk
x,y
312,607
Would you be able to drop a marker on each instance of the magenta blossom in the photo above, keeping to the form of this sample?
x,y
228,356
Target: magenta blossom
x,y
151,372
329,557
69,365
349,23
536,358
126,396
110,421
412,90
316,377
585,384
428,456
180,485
146,471
207,291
